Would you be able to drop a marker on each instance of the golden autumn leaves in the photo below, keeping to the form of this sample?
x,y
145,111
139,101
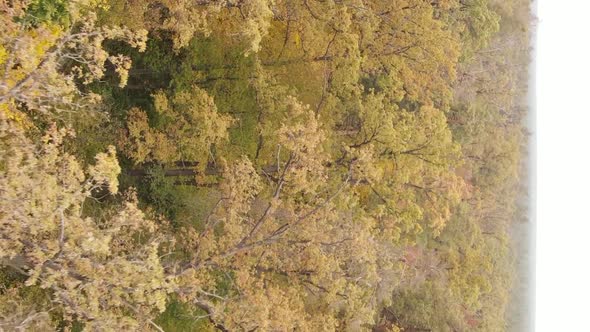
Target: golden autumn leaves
x,y
355,160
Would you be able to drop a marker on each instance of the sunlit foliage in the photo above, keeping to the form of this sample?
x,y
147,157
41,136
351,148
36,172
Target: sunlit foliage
x,y
260,165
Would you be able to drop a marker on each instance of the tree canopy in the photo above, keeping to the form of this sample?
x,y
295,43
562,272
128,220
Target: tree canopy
x,y
260,165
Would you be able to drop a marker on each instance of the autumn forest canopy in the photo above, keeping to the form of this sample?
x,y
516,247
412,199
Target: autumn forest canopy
x,y
261,165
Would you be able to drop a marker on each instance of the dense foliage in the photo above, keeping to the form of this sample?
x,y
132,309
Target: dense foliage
x,y
260,165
